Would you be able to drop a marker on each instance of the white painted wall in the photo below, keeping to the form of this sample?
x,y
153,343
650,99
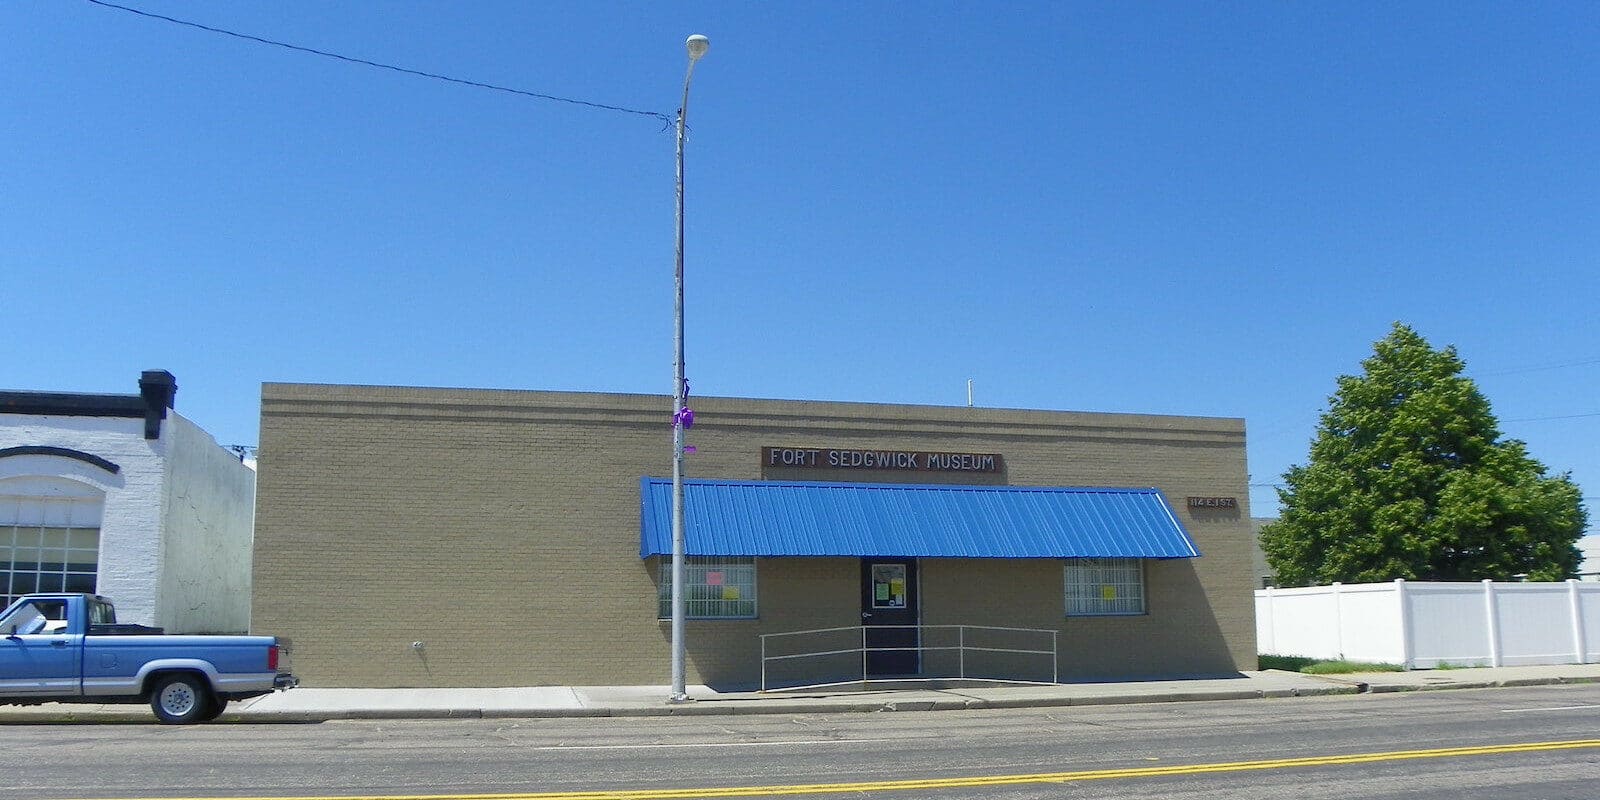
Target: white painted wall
x,y
130,526
1422,625
177,520
210,502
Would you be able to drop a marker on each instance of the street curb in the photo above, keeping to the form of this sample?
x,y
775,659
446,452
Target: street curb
x,y
1391,688
735,707
1333,685
1388,688
1545,681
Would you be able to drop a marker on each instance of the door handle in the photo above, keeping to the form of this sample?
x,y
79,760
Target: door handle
x,y
866,615
59,643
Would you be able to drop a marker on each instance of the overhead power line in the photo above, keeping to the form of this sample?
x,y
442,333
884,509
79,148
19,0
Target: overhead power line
x,y
1542,367
1561,416
351,59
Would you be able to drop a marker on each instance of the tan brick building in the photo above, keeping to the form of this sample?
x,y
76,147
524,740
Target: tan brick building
x,y
447,537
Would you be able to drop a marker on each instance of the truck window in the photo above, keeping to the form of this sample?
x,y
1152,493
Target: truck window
x,y
23,620
101,613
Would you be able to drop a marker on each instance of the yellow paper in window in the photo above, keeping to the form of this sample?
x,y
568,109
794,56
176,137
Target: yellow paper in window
x,y
897,588
1108,592
730,592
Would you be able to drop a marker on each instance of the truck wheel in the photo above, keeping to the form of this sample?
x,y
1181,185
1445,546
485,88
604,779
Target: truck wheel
x,y
181,699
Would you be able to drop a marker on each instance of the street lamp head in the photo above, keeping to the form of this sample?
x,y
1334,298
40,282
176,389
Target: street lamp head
x,y
698,45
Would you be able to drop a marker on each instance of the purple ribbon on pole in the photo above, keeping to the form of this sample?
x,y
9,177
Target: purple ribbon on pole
x,y
685,415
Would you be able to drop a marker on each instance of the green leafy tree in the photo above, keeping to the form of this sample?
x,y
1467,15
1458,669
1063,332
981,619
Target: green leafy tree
x,y
1408,478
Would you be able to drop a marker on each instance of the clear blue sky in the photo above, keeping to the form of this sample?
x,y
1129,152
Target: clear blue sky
x,y
1172,208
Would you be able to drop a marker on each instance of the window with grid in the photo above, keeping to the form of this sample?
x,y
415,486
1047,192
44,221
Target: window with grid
x,y
47,545
715,587
1104,586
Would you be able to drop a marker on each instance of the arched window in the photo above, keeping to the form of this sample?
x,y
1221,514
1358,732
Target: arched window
x,y
49,536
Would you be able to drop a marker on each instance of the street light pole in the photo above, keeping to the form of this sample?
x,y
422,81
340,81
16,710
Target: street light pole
x,y
697,46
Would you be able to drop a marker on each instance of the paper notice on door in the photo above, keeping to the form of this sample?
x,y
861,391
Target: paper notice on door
x,y
881,592
1108,592
730,593
713,579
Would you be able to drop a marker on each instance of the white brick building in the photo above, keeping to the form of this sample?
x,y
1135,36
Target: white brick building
x,y
117,494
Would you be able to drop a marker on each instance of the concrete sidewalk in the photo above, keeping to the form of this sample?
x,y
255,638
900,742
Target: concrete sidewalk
x,y
310,704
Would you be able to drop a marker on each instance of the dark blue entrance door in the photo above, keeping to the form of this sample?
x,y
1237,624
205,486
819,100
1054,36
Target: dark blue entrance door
x,y
889,614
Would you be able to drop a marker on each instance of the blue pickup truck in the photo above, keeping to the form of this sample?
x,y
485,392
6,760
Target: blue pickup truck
x,y
69,648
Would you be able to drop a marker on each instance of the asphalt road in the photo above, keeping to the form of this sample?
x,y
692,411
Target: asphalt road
x,y
1535,743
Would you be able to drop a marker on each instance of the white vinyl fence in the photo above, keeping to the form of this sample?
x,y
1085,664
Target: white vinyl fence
x,y
1423,625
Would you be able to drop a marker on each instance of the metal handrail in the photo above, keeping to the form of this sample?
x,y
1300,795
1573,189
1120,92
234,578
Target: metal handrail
x,y
960,648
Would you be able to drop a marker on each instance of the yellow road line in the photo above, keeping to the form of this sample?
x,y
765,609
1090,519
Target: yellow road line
x,y
958,783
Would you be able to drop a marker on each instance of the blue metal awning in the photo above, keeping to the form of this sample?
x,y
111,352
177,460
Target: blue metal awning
x,y
792,518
